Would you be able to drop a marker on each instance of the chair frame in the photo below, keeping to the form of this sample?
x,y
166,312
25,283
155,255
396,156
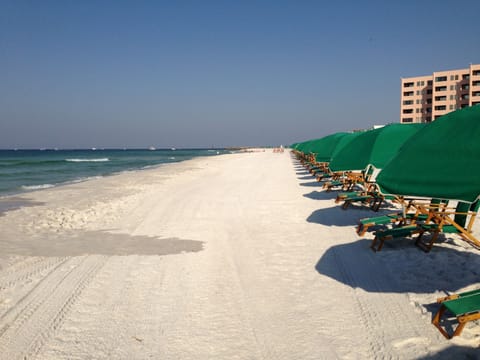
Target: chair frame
x,y
462,318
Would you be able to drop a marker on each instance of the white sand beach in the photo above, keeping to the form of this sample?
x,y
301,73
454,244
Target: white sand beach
x,y
238,256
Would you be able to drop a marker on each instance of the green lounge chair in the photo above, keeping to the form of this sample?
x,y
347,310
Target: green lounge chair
x,y
346,182
365,224
445,224
464,307
403,230
438,220
374,199
389,234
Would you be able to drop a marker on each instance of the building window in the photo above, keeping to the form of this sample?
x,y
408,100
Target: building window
x,y
429,82
440,88
408,93
476,83
466,76
475,72
408,111
464,97
451,107
429,101
428,118
465,87
476,93
408,102
456,77
407,120
452,87
440,98
441,107
428,110
409,84
440,78
452,97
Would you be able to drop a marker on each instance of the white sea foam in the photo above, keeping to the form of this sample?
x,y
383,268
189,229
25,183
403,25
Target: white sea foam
x,y
37,187
88,160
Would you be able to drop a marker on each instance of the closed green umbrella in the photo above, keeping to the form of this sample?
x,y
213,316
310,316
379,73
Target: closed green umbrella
x,y
374,147
442,160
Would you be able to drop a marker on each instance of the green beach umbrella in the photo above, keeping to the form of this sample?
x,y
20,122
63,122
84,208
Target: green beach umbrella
x,y
304,146
442,160
323,148
344,141
374,147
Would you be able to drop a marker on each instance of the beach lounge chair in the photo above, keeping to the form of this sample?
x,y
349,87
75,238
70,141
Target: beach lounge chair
x,y
398,218
346,182
464,307
405,228
371,197
445,224
366,223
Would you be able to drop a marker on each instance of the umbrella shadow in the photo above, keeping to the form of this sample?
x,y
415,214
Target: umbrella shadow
x,y
314,183
399,270
305,177
336,216
453,352
319,195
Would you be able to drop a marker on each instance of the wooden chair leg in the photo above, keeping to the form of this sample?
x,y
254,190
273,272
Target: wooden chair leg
x,y
362,229
382,241
459,329
436,321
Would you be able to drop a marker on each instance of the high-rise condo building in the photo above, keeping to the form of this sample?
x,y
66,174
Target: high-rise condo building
x,y
425,98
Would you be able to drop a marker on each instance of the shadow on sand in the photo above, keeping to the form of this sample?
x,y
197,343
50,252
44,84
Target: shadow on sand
x,y
306,177
313,183
320,195
76,243
454,352
334,215
411,270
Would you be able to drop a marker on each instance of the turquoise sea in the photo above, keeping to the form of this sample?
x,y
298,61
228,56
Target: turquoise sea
x,y
27,170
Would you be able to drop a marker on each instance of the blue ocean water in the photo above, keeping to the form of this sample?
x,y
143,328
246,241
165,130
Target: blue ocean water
x,y
27,170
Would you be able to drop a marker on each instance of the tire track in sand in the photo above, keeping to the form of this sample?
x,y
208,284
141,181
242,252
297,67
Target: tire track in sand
x,y
22,272
35,318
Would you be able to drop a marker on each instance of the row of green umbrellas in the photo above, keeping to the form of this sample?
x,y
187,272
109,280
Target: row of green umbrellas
x,y
436,160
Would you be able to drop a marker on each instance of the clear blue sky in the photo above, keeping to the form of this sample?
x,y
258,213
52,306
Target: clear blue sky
x,y
222,73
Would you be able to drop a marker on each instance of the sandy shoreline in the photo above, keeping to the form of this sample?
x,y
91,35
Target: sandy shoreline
x,y
236,256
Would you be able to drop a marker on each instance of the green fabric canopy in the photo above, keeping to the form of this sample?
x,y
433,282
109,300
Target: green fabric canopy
x,y
442,160
344,141
374,147
304,146
323,148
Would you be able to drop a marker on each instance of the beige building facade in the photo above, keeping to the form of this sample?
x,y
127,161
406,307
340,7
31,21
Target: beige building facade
x,y
426,98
